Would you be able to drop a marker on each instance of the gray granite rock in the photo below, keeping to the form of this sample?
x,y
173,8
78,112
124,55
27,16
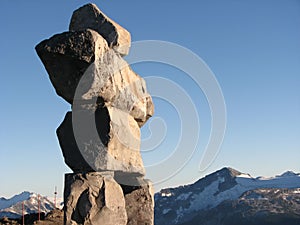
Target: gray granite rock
x,y
105,139
93,199
90,16
66,57
112,81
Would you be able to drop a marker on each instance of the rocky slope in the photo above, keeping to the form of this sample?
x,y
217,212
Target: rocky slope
x,y
257,207
55,217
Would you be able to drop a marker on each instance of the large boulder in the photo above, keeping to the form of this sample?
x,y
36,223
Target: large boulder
x,y
93,199
66,57
90,16
112,81
83,70
105,139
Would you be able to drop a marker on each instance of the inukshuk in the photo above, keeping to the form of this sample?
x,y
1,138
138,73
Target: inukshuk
x,y
100,138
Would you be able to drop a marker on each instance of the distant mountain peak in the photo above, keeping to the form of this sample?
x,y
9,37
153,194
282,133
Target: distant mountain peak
x,y
230,171
12,207
23,195
288,174
5,203
225,186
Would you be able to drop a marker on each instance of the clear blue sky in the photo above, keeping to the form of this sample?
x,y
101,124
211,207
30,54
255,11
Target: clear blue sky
x,y
252,47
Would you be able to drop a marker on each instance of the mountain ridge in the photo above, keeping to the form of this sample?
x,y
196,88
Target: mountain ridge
x,y
5,203
13,207
178,205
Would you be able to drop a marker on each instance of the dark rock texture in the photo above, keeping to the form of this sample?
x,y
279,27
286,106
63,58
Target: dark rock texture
x,y
67,56
139,204
90,16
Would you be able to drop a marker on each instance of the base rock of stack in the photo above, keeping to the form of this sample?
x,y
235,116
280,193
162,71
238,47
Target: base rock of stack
x,y
93,199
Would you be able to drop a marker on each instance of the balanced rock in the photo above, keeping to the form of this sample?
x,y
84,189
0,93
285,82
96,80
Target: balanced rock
x,y
66,57
111,80
93,199
105,139
90,16
84,70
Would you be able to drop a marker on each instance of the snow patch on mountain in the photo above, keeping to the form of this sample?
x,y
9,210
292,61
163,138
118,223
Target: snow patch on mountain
x,y
282,181
245,175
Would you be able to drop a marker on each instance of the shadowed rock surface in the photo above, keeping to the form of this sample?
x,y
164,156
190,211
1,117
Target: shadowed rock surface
x,y
90,16
66,57
139,202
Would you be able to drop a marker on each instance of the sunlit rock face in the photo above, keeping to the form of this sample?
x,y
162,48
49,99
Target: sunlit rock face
x,y
112,145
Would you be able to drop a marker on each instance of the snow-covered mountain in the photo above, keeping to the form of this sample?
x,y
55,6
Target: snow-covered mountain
x,y
180,205
12,208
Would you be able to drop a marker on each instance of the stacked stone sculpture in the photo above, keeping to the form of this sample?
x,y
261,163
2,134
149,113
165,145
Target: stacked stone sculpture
x,y
100,138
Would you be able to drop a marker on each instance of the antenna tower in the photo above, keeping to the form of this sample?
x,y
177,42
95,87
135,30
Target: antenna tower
x,y
55,194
